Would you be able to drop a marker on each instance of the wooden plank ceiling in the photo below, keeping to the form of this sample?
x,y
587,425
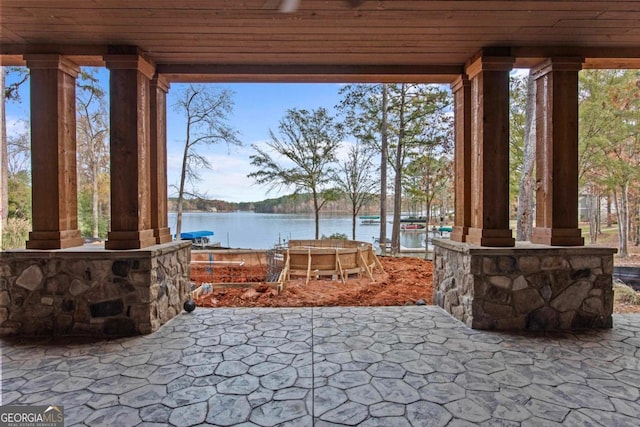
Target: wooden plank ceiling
x,y
253,38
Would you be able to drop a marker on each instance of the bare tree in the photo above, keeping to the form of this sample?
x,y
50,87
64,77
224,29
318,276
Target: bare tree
x,y
4,173
19,188
92,150
527,180
391,118
354,178
416,111
366,109
7,93
384,161
207,111
306,151
18,152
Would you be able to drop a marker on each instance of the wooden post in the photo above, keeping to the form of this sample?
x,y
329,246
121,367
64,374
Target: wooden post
x,y
378,263
158,115
308,267
130,152
366,267
53,152
339,265
284,274
557,152
489,77
461,89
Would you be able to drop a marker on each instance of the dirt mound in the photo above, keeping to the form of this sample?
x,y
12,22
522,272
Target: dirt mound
x,y
406,280
205,273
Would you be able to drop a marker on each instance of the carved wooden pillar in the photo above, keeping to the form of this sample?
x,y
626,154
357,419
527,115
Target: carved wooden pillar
x,y
53,152
461,89
159,219
490,151
130,151
557,153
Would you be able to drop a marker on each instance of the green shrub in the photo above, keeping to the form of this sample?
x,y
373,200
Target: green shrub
x,y
335,236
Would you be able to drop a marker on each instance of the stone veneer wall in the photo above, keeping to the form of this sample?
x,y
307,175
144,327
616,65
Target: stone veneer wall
x,y
91,291
529,287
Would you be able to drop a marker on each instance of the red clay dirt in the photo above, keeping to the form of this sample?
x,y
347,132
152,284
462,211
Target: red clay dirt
x,y
405,280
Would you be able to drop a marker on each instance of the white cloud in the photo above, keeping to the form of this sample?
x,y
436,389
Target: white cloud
x,y
343,150
227,179
16,126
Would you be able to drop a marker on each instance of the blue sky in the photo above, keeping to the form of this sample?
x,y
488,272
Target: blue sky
x,y
258,108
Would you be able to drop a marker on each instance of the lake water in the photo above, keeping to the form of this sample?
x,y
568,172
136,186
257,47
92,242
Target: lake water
x,y
263,230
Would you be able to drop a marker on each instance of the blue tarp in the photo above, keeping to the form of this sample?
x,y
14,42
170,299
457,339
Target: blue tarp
x,y
191,235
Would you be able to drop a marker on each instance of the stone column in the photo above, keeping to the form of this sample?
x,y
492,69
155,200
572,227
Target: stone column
x,y
557,152
53,152
461,89
489,77
159,219
130,151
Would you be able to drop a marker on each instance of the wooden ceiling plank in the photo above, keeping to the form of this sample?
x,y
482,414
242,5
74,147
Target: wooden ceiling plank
x,y
325,25
137,31
330,5
321,32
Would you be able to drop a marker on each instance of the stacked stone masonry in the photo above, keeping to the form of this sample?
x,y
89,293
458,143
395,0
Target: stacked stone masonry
x,y
529,287
92,292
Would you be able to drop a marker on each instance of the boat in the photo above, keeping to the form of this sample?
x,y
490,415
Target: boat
x,y
409,227
443,230
369,219
200,239
414,219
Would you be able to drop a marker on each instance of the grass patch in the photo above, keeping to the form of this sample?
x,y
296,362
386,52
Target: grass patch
x,y
16,233
625,294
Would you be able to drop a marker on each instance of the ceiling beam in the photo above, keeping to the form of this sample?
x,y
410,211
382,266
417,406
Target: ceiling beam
x,y
295,73
595,57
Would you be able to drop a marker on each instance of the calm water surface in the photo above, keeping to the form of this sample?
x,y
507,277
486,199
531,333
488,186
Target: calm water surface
x,y
262,230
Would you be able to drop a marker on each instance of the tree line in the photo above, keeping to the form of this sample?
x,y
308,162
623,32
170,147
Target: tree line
x,y
292,203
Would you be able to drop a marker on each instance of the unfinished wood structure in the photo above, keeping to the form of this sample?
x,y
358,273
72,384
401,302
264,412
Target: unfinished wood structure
x,y
471,45
331,258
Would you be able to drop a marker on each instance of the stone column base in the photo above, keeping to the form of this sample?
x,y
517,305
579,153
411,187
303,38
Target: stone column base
x,y
89,291
527,287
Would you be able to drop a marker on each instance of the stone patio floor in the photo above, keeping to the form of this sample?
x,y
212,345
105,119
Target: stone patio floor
x,y
383,366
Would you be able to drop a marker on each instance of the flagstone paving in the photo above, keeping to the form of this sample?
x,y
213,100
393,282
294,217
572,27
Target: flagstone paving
x,y
382,366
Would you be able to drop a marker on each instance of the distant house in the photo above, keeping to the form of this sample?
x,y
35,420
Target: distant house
x,y
584,204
